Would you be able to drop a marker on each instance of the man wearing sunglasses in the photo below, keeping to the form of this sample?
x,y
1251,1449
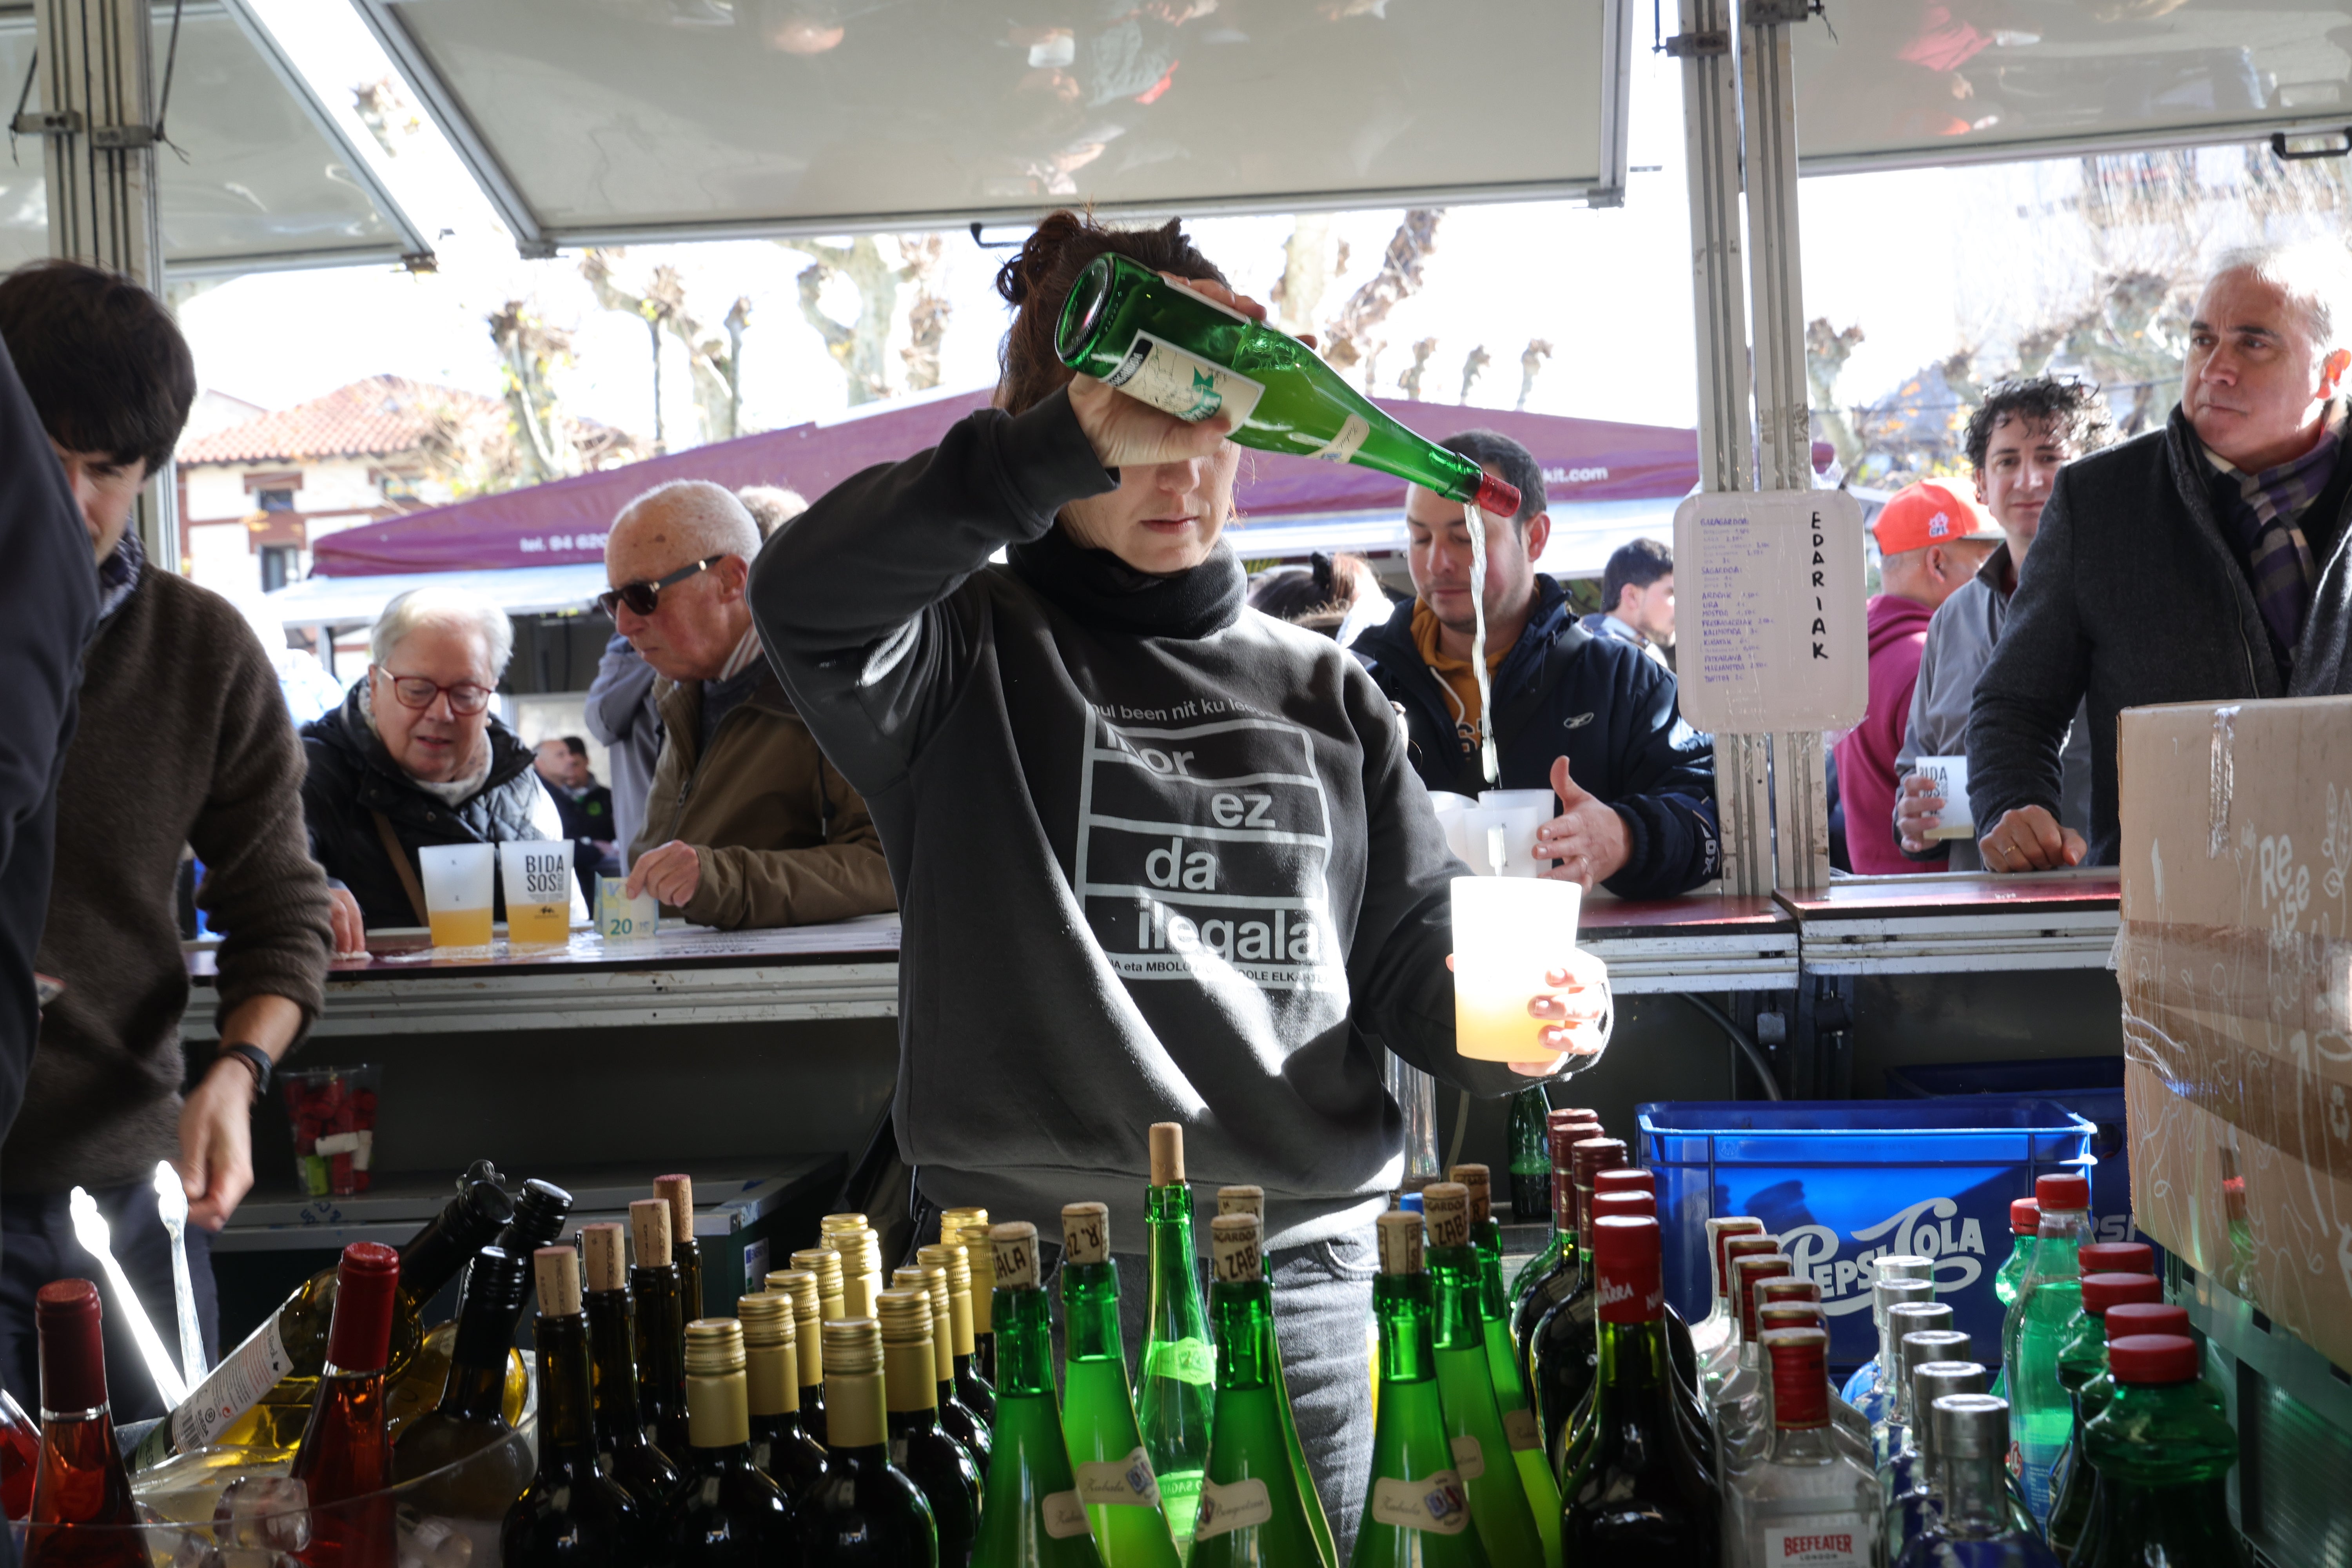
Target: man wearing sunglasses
x,y
746,822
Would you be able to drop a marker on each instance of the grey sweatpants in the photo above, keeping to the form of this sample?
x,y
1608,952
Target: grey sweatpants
x,y
1322,1316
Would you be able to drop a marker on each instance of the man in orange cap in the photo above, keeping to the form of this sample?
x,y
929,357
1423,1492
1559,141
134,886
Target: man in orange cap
x,y
1931,539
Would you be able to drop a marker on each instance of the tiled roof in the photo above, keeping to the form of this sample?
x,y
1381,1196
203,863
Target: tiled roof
x,y
378,417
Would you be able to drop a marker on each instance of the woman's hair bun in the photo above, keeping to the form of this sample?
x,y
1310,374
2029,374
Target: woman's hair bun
x,y
1036,278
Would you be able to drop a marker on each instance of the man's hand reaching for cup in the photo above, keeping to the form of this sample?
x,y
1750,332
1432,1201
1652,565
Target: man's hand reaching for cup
x,y
1578,1012
1588,837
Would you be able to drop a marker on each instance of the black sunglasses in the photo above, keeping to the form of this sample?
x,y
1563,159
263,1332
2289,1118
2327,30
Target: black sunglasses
x,y
645,597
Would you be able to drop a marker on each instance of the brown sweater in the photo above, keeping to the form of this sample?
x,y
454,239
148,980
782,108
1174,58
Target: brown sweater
x,y
185,739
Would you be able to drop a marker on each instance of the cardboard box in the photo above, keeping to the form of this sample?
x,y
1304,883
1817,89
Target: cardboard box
x,y
2235,963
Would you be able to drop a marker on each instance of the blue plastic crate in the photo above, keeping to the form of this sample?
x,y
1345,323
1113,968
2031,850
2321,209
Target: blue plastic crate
x,y
1840,1182
2090,1087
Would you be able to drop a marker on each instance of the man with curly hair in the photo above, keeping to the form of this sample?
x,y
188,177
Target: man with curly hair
x,y
2018,439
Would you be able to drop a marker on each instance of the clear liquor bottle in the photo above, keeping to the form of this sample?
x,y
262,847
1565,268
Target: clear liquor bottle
x,y
1807,1500
1726,1361
1891,1277
1521,1430
1714,1337
2164,1454
781,1447
1905,1428
1030,1516
1251,1201
1917,1498
622,1443
808,1342
1976,1527
959,1420
660,1311
1737,1418
1415,1512
1804,1312
1253,1513
1116,1478
1176,1392
1894,1404
573,1515
725,1512
82,1513
2040,1412
1499,1504
345,1458
920,1447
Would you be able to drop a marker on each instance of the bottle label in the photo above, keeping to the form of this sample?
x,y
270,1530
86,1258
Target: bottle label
x,y
1523,1430
1469,1459
1116,1483
234,1387
1342,447
1830,1541
1186,1361
1063,1514
1157,371
1235,1505
1434,1503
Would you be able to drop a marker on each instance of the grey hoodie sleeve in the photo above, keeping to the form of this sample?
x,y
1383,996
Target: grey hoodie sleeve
x,y
2027,693
854,597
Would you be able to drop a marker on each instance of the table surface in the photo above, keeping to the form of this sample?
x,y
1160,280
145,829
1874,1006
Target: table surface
x,y
2088,890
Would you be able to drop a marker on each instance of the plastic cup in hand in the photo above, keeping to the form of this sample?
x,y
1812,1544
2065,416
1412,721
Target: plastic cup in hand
x,y
333,1112
1520,812
458,878
1453,821
538,876
1517,827
1950,779
1506,939
620,918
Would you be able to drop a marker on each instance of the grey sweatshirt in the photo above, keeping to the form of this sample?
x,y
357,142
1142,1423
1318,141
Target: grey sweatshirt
x,y
1176,878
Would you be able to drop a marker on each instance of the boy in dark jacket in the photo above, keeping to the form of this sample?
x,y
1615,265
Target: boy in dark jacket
x,y
1589,716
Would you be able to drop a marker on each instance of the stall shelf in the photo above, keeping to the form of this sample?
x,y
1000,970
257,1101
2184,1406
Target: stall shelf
x,y
1956,923
1702,943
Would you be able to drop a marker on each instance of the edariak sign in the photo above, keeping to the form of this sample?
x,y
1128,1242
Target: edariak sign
x,y
1772,631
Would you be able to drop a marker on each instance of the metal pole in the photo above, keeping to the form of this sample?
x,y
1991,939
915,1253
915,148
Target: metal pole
x,y
1711,145
96,119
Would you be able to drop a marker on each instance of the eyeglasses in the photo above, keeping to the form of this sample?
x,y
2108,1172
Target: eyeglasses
x,y
415,691
645,598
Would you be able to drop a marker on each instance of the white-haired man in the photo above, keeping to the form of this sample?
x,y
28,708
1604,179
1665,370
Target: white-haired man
x,y
746,822
415,757
2203,562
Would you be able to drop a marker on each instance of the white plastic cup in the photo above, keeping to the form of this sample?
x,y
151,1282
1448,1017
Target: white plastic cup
x,y
459,881
1949,776
1507,938
537,873
1518,825
1451,810
620,918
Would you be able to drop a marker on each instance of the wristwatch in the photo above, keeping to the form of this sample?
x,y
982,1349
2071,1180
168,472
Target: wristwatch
x,y
257,1060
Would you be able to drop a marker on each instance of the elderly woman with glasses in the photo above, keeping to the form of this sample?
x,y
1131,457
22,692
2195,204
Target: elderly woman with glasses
x,y
415,757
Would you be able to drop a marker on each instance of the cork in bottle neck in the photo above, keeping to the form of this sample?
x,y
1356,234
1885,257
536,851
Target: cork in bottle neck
x,y
649,1232
605,1249
1233,1254
1085,1233
1400,1232
556,1271
1167,1153
1446,1209
1013,1249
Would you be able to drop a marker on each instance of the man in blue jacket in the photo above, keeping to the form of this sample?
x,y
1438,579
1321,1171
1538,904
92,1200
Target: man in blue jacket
x,y
1589,716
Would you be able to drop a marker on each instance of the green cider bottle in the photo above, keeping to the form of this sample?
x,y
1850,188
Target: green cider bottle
x,y
1183,352
1254,1512
1416,1512
1175,1395
1521,1431
1498,1501
1030,1516
2025,1224
1113,1474
2040,1412
2163,1452
2119,1306
1562,1129
1251,1201
1531,1157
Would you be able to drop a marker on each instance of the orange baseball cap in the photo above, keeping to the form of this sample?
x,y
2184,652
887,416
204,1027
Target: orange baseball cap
x,y
1929,512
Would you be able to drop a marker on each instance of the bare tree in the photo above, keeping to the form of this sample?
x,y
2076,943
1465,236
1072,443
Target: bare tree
x,y
1372,365
1397,277
530,353
857,345
1473,364
1826,351
1307,271
386,111
1531,360
1410,382
713,355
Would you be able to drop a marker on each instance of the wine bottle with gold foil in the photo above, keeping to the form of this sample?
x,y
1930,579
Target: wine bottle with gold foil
x,y
980,1252
725,1513
825,1264
470,1423
863,1511
808,1344
660,1322
971,1387
1254,1512
959,1420
1251,1201
1115,1474
779,1444
644,1470
572,1515
919,1445
1175,1391
678,1191
861,1260
1030,1516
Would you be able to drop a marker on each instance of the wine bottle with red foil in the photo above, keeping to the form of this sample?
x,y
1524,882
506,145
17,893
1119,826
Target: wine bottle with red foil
x,y
345,1458
81,1507
1546,1279
781,1446
20,1456
572,1515
622,1443
1560,1354
1808,1498
661,1324
1715,1338
1640,1497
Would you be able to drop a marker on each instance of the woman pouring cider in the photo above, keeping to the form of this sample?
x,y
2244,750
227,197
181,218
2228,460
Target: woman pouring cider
x,y
1160,857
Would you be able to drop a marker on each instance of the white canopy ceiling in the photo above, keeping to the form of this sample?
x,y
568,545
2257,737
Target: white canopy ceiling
x,y
268,181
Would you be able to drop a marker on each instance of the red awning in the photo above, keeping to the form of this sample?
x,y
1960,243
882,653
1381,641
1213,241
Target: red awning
x,y
564,522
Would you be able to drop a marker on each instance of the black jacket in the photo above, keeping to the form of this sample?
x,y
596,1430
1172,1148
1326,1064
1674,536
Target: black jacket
x,y
2134,594
1601,703
351,777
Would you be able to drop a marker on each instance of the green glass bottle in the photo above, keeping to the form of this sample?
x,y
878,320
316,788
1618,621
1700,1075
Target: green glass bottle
x,y
1184,353
1115,1476
471,1416
630,1456
2040,1412
2163,1453
2116,1309
930,1458
1175,1395
1030,1516
725,1513
2024,1224
678,1191
660,1318
1521,1432
1251,1201
1498,1501
781,1447
1531,1156
863,1511
1416,1513
572,1515
1253,1513
1563,1129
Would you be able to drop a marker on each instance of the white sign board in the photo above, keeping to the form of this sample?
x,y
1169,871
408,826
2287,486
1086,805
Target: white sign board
x,y
1772,633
